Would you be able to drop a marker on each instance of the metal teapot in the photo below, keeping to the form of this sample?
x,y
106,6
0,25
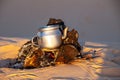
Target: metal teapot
x,y
50,36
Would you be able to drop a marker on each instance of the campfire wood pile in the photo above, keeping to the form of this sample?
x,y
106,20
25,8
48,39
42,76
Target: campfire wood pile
x,y
33,56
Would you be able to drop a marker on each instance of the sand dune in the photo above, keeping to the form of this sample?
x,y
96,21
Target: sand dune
x,y
104,67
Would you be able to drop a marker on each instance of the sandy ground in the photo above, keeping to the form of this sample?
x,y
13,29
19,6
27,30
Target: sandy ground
x,y
104,67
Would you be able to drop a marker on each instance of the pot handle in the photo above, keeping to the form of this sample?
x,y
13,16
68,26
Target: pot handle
x,y
35,41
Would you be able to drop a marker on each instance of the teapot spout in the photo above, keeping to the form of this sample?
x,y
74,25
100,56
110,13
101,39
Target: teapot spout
x,y
65,33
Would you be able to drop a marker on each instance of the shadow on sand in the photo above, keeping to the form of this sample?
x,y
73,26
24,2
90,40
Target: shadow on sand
x,y
8,40
7,63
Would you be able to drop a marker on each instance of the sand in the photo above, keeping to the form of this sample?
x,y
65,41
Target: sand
x,y
104,67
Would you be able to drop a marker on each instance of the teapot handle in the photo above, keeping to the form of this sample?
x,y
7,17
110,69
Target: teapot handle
x,y
65,33
35,43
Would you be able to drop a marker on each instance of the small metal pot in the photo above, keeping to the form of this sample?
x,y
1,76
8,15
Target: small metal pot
x,y
49,37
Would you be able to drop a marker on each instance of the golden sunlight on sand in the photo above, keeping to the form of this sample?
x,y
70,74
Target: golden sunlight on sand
x,y
104,67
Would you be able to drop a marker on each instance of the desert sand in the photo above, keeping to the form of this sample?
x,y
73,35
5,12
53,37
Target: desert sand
x,y
106,66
